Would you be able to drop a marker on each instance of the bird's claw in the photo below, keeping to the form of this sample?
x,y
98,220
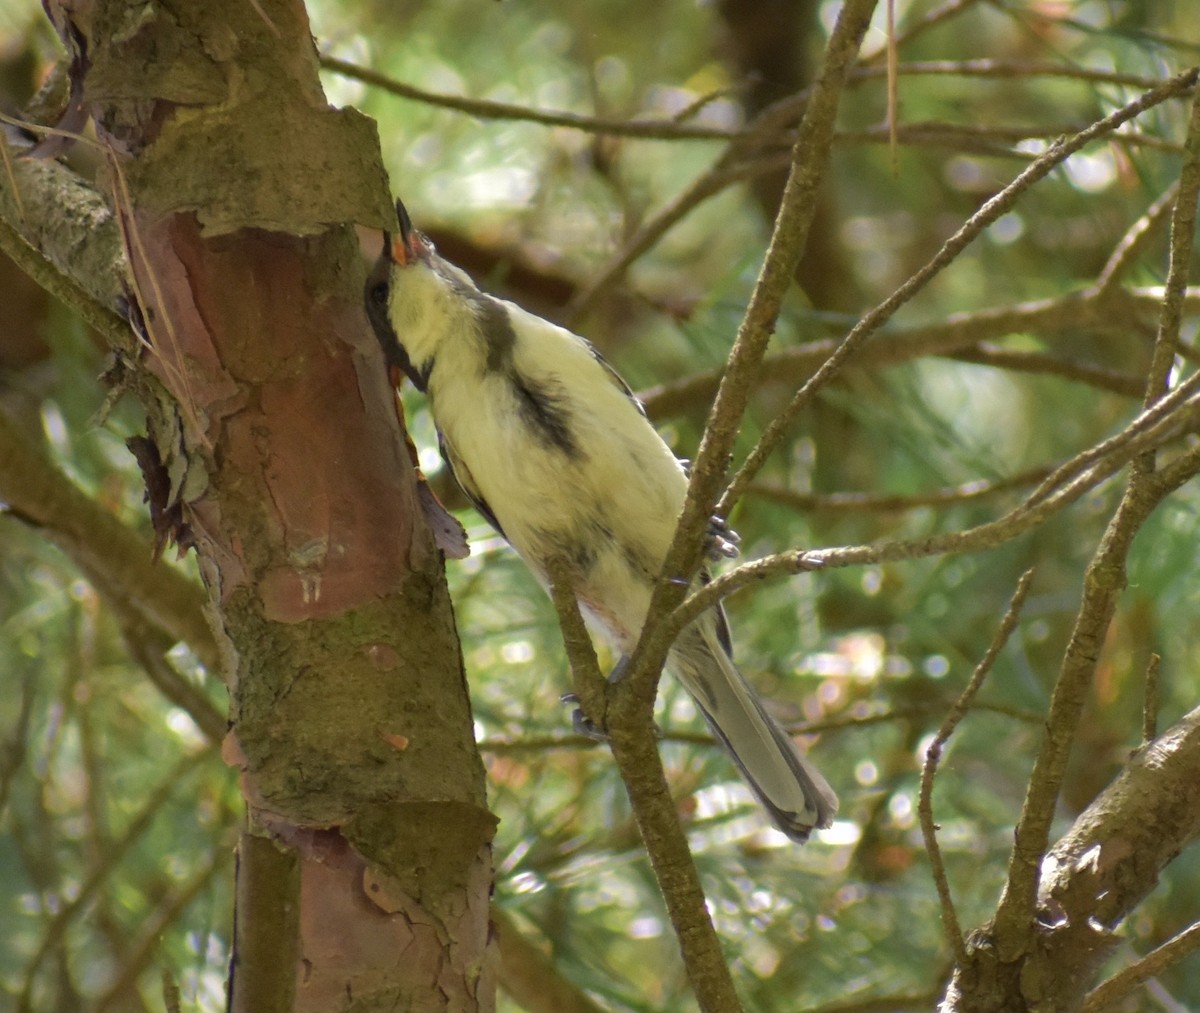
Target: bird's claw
x,y
581,723
722,541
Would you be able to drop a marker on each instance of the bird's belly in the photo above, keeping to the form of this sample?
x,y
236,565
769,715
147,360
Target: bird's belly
x,y
607,510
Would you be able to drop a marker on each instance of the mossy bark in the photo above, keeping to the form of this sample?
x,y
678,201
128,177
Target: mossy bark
x,y
365,879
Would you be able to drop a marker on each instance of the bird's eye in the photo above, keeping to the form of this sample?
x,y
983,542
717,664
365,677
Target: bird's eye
x,y
379,295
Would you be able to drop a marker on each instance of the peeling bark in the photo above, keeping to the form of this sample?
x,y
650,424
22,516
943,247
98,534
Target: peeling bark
x,y
367,869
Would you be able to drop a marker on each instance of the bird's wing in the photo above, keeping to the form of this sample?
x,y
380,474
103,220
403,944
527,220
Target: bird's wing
x,y
466,482
615,377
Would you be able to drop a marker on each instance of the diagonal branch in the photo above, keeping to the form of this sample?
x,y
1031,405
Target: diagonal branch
x,y
955,336
1123,983
118,561
933,756
1166,420
1103,583
635,751
992,209
810,156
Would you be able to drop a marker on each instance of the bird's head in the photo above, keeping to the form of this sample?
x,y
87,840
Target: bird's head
x,y
415,299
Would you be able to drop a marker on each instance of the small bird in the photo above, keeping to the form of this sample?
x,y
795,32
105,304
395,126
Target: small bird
x,y
553,449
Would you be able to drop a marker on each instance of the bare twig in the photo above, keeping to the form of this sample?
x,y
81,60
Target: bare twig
x,y
928,20
1103,582
147,647
1045,364
991,139
1155,962
796,210
172,1001
1064,486
13,750
918,1002
581,654
988,213
957,334
1021,70
1183,230
531,977
636,753
893,86
933,756
547,743
137,826
656,129
118,561
1166,417
110,324
1133,244
862,502
725,170
1150,704
1107,863
148,946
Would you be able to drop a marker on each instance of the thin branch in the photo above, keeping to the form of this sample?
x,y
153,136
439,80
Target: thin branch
x,y
487,109
548,743
933,756
66,240
117,560
1103,583
1150,704
1183,231
1007,69
1084,309
992,209
928,20
725,170
918,1002
112,326
1064,486
676,128
172,1000
992,139
862,502
148,647
1166,417
1124,982
1135,241
636,753
14,750
148,946
531,977
581,654
1107,863
797,208
133,832
1125,384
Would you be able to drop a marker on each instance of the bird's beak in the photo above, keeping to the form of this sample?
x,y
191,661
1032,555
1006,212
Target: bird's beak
x,y
409,244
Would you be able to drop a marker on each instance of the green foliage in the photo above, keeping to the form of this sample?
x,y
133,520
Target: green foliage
x,y
88,748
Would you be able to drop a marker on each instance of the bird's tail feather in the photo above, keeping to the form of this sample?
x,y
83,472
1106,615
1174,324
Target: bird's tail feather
x,y
792,790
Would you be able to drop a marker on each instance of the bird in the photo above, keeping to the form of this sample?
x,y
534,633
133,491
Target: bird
x,y
557,454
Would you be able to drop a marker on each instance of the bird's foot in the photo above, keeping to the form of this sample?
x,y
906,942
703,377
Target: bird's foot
x,y
581,723
722,541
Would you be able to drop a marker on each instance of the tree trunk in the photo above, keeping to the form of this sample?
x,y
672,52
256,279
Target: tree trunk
x,y
275,451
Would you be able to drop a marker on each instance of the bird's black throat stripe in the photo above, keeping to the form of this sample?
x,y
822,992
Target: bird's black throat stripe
x,y
539,405
497,330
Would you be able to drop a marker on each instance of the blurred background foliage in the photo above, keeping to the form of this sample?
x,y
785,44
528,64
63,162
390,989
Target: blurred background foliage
x,y
117,819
